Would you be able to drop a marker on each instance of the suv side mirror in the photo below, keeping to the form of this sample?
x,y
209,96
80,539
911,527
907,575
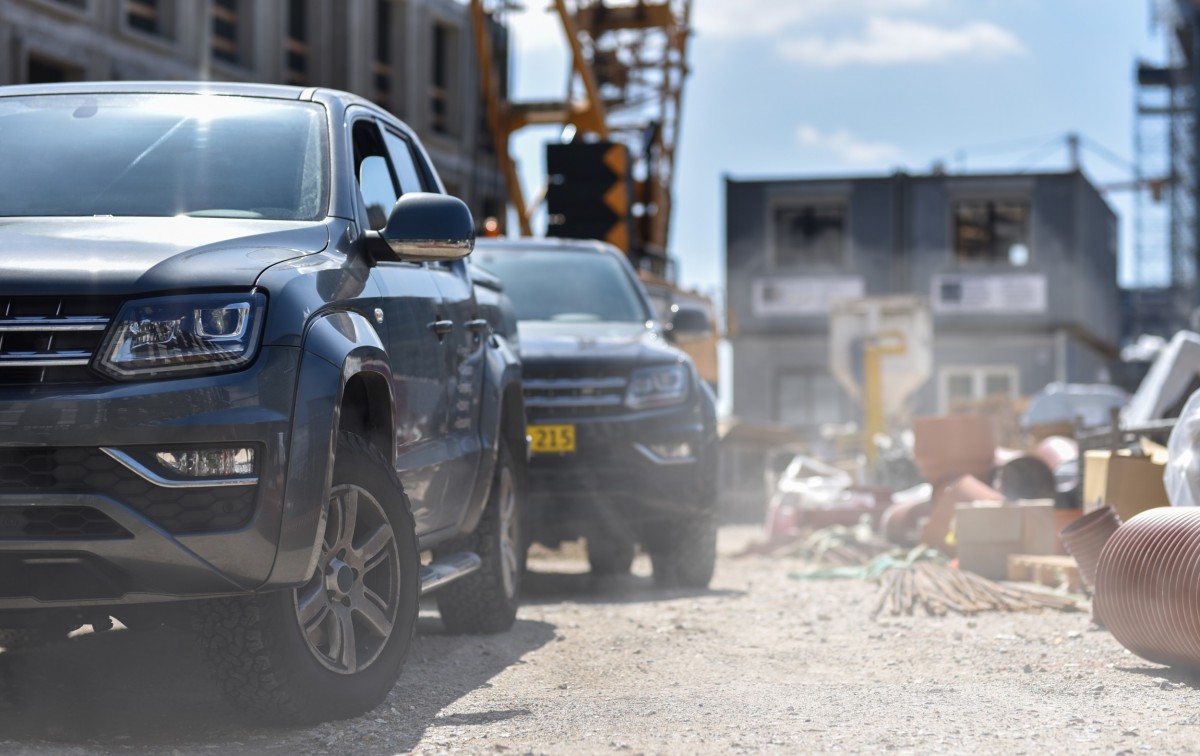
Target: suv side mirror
x,y
688,323
427,227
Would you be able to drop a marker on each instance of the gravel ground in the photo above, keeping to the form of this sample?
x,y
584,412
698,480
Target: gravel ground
x,y
761,662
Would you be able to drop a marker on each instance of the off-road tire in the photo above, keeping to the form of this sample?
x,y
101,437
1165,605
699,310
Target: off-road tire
x,y
609,555
266,663
685,555
482,602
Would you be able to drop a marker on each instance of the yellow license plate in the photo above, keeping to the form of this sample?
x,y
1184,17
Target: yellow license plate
x,y
552,439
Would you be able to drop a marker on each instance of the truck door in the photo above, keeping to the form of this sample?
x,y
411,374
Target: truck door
x,y
462,352
410,308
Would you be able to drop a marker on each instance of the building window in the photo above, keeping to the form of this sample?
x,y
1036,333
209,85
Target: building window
x,y
808,235
151,17
808,399
442,75
990,231
296,47
230,31
381,67
41,70
964,388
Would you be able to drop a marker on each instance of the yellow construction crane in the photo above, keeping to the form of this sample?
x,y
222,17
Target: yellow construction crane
x,y
624,96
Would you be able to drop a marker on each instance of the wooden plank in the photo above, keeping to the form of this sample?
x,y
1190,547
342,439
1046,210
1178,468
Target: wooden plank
x,y
1047,569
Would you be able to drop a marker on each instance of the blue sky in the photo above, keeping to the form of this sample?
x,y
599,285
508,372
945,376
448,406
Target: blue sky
x,y
803,87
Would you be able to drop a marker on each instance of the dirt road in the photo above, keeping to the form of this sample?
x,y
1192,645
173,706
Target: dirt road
x,y
761,662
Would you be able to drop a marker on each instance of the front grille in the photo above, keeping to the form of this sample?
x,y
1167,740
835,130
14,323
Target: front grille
x,y
578,397
51,339
91,471
55,522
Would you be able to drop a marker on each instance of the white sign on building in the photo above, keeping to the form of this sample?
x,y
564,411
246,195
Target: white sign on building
x,y
1014,294
798,296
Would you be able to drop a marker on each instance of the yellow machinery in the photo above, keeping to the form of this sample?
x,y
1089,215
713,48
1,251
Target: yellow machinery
x,y
628,68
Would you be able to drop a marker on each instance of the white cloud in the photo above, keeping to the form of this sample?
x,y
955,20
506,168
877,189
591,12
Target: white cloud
x,y
892,41
768,18
846,147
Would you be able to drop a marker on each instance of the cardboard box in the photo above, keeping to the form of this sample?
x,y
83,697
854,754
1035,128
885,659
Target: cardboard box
x,y
987,532
1128,483
947,446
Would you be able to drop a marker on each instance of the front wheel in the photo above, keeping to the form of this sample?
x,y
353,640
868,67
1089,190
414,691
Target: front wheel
x,y
486,601
332,648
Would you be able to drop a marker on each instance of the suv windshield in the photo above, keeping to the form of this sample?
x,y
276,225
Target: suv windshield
x,y
162,155
565,285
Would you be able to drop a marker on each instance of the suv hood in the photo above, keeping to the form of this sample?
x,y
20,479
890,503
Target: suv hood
x,y
136,255
552,348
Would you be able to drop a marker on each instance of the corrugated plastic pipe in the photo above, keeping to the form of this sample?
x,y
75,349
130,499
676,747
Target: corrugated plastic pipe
x,y
1147,586
1084,539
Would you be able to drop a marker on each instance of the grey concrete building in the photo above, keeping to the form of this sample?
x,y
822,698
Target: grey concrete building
x,y
414,57
1020,272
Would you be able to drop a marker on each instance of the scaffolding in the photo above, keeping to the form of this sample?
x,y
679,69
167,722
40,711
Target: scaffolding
x,y
1165,135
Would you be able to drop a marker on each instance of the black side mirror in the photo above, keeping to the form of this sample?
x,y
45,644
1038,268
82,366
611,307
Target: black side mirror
x,y
427,227
688,323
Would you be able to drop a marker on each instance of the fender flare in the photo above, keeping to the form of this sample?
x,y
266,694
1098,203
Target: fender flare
x,y
339,348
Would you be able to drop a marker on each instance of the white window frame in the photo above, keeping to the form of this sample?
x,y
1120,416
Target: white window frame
x,y
979,375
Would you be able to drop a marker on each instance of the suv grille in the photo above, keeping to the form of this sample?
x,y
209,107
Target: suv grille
x,y
51,339
91,471
58,522
579,397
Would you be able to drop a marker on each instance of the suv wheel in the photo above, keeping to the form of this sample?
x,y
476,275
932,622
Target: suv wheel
x,y
333,647
609,554
486,601
685,554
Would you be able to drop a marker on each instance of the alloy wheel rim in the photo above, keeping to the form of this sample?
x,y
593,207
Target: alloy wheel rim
x,y
347,610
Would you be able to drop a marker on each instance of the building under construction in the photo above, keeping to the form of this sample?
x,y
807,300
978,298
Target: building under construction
x,y
1166,223
413,57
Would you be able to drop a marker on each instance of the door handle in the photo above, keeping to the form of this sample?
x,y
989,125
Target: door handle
x,y
479,326
441,327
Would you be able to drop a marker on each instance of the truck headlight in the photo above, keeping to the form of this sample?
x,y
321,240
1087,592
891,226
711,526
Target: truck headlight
x,y
182,335
657,386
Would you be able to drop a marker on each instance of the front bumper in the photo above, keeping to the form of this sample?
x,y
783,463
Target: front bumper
x,y
79,527
614,472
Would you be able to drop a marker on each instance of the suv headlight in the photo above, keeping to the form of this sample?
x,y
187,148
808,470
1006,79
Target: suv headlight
x,y
182,335
657,386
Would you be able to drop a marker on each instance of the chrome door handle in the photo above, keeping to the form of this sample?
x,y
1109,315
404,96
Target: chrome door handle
x,y
479,326
441,327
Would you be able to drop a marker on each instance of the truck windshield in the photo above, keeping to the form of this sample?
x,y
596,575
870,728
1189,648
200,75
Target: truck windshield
x,y
162,155
565,285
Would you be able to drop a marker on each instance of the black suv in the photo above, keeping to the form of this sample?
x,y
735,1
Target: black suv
x,y
623,430
242,360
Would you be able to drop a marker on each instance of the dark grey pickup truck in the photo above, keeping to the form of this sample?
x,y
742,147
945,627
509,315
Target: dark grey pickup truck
x,y
243,364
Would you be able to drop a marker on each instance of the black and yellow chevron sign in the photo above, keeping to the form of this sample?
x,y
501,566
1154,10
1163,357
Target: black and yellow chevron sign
x,y
590,194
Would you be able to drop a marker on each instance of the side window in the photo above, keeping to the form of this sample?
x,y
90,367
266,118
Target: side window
x,y
376,179
405,163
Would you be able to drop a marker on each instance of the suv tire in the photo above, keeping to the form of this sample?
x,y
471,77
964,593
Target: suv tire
x,y
609,555
486,601
685,555
284,655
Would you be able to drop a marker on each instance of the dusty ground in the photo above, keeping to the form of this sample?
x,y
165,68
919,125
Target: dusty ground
x,y
762,662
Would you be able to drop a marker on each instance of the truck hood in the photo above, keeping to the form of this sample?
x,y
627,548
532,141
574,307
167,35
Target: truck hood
x,y
551,349
135,255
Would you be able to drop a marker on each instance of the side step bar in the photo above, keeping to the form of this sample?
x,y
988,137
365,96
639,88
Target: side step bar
x,y
446,570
